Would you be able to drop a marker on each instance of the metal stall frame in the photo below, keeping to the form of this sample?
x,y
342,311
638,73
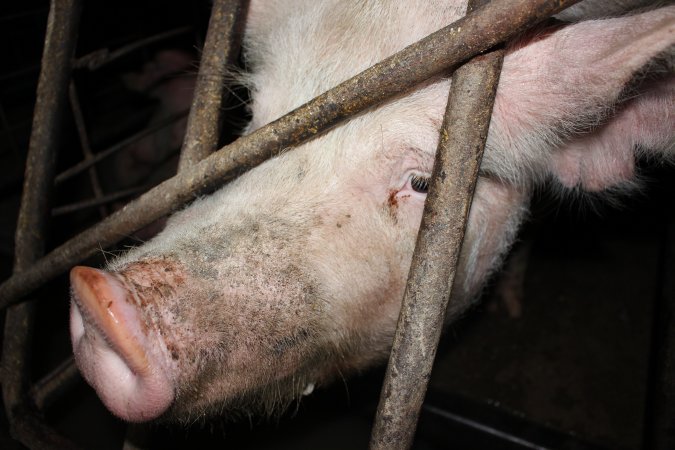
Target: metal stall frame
x,y
60,38
202,171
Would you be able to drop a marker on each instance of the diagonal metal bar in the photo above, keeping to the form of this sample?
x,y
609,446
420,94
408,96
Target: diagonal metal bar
x,y
53,385
223,40
78,116
439,241
440,51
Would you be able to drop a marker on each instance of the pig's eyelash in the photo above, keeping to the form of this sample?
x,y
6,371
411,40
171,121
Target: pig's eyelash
x,y
419,183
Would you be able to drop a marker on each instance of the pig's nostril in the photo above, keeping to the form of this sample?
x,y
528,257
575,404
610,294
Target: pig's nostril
x,y
112,351
76,323
103,300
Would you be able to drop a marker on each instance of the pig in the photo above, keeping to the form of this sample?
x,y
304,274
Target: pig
x,y
292,275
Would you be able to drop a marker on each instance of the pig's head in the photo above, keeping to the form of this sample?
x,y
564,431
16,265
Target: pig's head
x,y
293,274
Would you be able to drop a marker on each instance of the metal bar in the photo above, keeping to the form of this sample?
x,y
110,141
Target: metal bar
x,y
86,146
83,165
439,241
91,203
99,58
220,49
54,384
440,51
50,103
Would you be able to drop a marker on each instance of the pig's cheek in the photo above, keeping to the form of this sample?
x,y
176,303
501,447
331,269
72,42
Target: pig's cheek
x,y
408,208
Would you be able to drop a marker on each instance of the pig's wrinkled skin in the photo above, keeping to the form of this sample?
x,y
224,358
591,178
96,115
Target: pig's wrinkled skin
x,y
293,274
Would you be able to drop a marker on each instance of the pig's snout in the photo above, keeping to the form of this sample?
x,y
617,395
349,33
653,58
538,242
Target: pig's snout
x,y
113,350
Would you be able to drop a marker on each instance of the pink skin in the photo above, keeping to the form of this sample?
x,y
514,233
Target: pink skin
x,y
293,274
606,157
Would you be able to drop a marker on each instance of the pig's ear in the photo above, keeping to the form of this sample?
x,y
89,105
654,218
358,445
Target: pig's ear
x,y
583,67
561,84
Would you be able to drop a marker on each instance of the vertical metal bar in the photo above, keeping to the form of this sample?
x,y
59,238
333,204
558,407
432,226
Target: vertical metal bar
x,y
52,88
439,241
221,47
86,147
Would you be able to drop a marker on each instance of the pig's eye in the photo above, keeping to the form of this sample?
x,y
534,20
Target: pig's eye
x,y
419,183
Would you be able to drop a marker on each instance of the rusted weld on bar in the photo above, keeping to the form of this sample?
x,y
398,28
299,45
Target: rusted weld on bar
x,y
52,90
222,44
439,241
440,51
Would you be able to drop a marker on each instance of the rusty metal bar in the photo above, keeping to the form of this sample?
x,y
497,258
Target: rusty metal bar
x,y
91,203
87,163
434,263
440,51
60,39
99,58
54,384
220,49
86,147
438,245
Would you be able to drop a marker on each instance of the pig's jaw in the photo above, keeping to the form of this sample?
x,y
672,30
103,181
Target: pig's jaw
x,y
112,351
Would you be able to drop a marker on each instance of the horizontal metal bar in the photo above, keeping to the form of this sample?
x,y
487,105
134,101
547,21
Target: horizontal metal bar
x,y
103,200
99,58
440,51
